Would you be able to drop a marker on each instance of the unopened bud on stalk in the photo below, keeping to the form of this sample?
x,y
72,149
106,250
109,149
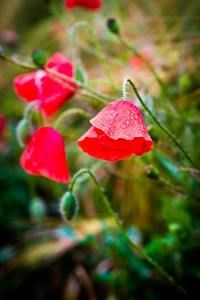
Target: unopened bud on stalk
x,y
38,58
113,26
68,206
153,132
152,172
24,132
80,75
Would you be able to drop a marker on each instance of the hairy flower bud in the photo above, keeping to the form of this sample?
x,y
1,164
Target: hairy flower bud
x,y
38,58
24,132
151,171
113,26
68,206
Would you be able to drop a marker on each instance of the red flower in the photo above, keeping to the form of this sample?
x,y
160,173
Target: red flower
x,y
137,63
88,4
39,86
118,132
45,155
2,123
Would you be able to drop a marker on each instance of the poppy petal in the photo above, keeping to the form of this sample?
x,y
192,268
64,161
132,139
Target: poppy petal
x,y
25,87
51,94
45,155
98,145
121,119
89,4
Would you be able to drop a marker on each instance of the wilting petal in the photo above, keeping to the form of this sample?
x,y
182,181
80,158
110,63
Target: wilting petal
x,y
45,155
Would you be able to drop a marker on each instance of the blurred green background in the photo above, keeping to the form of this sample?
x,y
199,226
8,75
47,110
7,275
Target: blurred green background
x,y
41,256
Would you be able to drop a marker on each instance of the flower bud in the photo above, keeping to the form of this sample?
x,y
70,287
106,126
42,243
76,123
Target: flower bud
x,y
153,132
80,74
38,58
68,206
24,132
151,171
113,26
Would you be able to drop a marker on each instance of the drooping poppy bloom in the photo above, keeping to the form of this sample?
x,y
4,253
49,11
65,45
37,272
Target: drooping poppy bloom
x,y
39,86
118,132
137,63
88,4
45,155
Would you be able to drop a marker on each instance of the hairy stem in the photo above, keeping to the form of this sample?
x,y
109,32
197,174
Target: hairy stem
x,y
122,230
170,135
98,49
70,112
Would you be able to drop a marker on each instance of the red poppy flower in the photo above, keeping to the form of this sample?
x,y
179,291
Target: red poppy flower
x,y
88,4
137,63
118,132
39,86
2,123
45,155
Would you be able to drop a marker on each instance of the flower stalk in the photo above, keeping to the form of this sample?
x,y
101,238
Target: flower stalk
x,y
72,111
166,131
122,230
98,50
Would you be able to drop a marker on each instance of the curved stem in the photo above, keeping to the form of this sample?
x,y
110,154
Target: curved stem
x,y
148,64
122,230
70,112
171,136
62,76
98,49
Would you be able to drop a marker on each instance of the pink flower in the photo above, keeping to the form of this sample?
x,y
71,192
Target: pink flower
x,y
39,86
45,155
88,4
118,132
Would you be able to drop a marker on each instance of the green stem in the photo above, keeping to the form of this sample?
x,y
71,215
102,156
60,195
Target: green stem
x,y
98,49
65,84
171,136
18,63
80,84
62,76
29,108
70,112
148,64
122,230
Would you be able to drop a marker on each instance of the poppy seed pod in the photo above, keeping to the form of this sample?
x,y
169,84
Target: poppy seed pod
x,y
40,86
118,132
24,132
45,155
38,58
68,206
87,4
